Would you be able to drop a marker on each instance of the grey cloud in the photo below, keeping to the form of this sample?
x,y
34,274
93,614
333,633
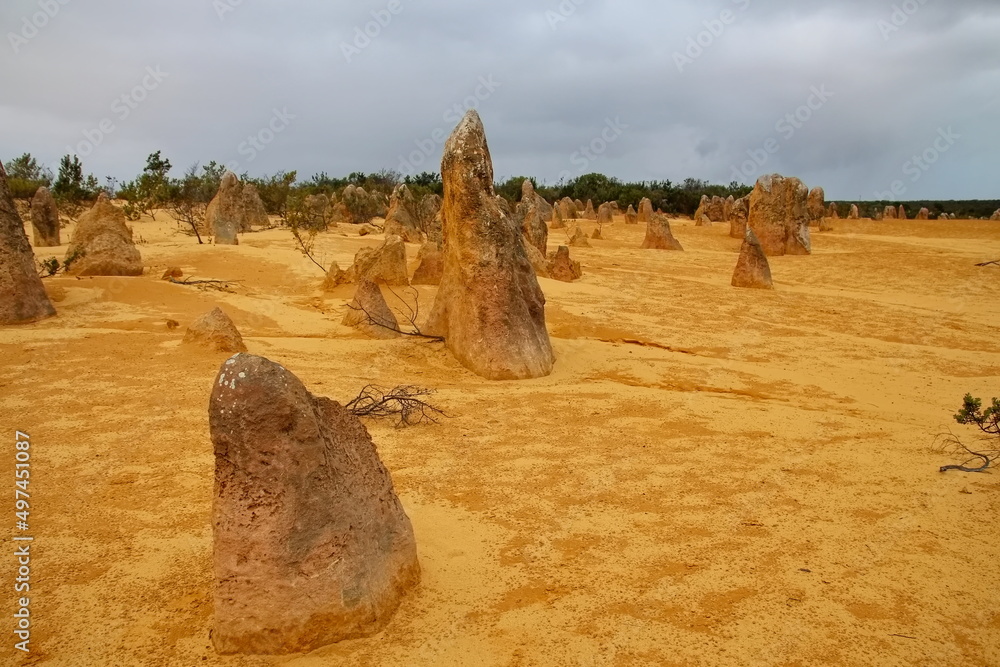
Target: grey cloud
x,y
559,81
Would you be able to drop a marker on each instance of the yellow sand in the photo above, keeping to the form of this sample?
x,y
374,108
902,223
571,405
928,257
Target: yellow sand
x,y
710,476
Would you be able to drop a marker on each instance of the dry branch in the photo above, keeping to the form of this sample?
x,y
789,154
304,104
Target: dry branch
x,y
410,316
404,402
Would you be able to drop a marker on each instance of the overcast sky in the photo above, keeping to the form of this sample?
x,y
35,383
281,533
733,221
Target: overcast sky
x,y
841,93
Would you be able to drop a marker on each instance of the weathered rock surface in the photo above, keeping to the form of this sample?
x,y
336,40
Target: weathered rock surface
x,y
532,224
631,217
538,261
889,213
855,213
738,217
489,308
528,194
659,236
22,295
311,543
253,214
832,212
216,331
923,214
45,219
385,264
752,269
430,264
994,217
370,313
645,210
558,222
816,204
605,214
335,276
561,267
567,209
102,244
710,210
224,215
579,239
778,215
430,216
901,213
403,217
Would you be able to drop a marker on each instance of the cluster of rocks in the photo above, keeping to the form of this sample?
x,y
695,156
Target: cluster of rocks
x,y
715,209
994,217
22,295
102,244
235,209
385,264
403,217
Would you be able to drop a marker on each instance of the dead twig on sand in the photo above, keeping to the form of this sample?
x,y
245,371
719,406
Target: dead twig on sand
x,y
410,316
221,285
953,445
995,261
403,402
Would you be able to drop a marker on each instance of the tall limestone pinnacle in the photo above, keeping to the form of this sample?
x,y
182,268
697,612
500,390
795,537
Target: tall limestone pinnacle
x,y
489,308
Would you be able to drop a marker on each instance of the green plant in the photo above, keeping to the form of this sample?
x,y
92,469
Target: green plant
x,y
972,413
70,185
988,421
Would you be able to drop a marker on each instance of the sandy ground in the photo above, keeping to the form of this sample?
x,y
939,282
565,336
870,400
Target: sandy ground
x,y
710,476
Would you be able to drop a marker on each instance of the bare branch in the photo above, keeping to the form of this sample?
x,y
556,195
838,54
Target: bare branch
x,y
404,402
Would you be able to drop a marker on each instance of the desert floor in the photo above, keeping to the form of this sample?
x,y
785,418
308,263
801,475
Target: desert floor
x,y
710,476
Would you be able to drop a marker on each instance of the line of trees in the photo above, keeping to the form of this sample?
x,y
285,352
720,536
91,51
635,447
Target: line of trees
x,y
154,189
